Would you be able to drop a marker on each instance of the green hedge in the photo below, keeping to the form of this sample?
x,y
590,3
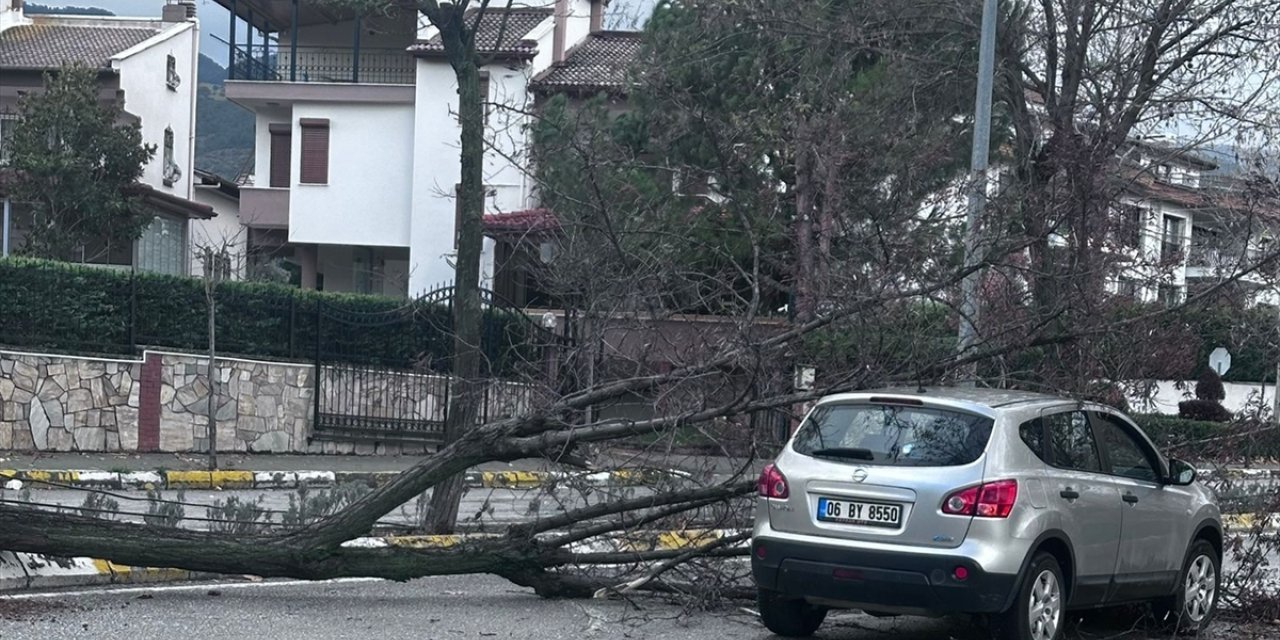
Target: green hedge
x,y
58,306
1170,431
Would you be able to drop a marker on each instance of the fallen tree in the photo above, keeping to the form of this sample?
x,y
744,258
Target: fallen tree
x,y
683,310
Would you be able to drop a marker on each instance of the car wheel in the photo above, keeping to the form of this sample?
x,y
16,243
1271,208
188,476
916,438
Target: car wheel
x,y
788,617
1038,611
1191,608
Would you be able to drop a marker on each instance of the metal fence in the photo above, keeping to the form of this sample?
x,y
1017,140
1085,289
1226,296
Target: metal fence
x,y
281,63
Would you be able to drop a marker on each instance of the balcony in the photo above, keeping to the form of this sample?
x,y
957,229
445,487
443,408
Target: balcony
x,y
274,62
1217,258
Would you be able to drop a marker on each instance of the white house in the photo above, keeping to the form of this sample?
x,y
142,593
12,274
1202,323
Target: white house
x,y
148,66
356,160
1187,229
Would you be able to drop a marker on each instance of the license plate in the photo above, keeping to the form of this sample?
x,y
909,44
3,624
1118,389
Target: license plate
x,y
866,513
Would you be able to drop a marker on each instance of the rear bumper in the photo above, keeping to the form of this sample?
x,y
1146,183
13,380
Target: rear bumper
x,y
891,582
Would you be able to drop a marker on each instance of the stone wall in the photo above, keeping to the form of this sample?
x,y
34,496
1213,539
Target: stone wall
x,y
53,403
259,406
160,403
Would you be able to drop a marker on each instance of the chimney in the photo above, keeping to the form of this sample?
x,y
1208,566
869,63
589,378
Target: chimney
x,y
597,15
561,17
179,11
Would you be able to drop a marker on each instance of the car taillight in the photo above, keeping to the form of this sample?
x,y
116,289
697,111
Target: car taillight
x,y
772,484
990,500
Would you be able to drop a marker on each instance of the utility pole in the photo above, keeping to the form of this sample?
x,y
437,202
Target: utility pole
x,y
977,189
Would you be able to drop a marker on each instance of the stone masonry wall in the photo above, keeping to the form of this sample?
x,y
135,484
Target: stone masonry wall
x,y
52,403
160,403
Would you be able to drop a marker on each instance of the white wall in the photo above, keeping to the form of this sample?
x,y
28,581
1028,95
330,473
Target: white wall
x,y
435,174
143,72
367,200
1167,397
223,231
11,16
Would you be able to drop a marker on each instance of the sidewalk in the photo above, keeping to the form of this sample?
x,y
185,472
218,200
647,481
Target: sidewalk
x,y
272,471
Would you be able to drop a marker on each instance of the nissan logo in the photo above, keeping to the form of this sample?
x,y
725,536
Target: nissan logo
x,y
860,475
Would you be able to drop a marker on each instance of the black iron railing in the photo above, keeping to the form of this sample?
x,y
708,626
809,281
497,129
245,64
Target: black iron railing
x,y
282,63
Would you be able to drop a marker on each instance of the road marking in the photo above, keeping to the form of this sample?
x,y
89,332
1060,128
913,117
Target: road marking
x,y
204,586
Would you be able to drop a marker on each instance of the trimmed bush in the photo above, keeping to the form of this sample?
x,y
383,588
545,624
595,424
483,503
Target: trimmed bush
x,y
1209,386
1207,410
65,307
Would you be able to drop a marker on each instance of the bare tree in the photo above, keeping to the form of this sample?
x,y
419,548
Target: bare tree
x,y
679,295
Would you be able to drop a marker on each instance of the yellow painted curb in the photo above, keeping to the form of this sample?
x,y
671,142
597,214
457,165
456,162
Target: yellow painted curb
x,y
208,479
121,573
38,476
433,542
668,540
513,479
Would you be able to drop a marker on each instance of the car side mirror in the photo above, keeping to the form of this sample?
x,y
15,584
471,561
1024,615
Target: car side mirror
x,y
1181,473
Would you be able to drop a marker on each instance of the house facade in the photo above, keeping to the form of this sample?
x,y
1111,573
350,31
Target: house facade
x,y
148,67
1186,229
356,148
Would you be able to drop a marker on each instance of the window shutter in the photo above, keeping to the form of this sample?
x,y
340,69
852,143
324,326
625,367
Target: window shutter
x,y
315,151
484,97
281,148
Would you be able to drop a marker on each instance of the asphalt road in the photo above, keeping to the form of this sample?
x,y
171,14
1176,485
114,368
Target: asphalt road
x,y
444,608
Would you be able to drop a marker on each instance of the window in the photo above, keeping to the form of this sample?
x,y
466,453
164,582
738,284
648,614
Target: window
x,y
1032,432
163,246
8,124
1071,443
315,151
170,171
281,148
1170,295
1171,248
171,78
1127,289
894,435
217,264
1125,456
1129,223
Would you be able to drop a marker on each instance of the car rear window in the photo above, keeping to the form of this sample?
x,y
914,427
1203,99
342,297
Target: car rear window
x,y
895,435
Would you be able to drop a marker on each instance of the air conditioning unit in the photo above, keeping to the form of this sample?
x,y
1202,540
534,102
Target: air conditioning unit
x,y
171,173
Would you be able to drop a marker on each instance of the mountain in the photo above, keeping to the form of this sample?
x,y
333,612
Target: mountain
x,y
40,9
224,130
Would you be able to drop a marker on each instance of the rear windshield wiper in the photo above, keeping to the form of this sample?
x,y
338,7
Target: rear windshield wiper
x,y
851,453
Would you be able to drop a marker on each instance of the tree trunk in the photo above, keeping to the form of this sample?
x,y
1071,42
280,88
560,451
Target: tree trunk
x,y
210,282
805,302
466,386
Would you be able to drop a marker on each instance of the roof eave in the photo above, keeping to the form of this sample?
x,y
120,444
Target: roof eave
x,y
434,54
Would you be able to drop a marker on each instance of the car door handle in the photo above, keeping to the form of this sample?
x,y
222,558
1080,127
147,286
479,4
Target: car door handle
x,y
1130,498
1069,493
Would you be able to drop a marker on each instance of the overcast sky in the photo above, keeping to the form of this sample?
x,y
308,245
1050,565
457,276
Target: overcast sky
x,y
214,24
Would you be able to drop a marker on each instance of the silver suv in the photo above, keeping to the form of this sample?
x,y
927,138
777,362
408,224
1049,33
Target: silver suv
x,y
1013,504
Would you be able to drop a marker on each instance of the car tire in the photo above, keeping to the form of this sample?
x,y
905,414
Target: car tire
x,y
789,617
1190,609
1038,611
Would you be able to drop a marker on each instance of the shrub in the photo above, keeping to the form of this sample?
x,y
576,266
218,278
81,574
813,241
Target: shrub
x,y
59,306
1209,386
1168,431
1207,410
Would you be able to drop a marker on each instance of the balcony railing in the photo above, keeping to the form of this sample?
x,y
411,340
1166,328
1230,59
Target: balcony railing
x,y
281,63
1225,256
